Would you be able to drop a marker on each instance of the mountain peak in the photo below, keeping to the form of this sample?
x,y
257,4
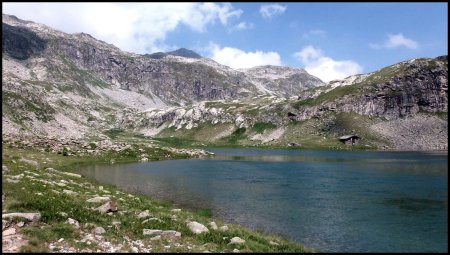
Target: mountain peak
x,y
183,52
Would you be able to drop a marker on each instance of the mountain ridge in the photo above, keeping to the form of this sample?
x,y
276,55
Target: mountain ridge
x,y
73,85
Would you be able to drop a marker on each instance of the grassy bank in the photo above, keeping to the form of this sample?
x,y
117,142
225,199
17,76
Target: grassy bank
x,y
29,186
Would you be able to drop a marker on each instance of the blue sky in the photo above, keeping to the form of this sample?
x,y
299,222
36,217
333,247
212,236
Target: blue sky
x,y
329,40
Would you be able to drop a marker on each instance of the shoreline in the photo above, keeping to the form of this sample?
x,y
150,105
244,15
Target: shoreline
x,y
56,193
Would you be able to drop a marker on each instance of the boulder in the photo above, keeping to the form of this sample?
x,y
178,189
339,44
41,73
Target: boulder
x,y
236,240
197,228
73,222
143,214
110,206
99,231
213,225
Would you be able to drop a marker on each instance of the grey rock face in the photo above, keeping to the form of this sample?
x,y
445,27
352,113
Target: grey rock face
x,y
282,81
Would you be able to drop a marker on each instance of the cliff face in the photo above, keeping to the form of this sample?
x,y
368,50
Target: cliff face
x,y
179,77
401,90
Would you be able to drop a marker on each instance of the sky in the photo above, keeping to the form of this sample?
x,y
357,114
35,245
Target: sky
x,y
329,40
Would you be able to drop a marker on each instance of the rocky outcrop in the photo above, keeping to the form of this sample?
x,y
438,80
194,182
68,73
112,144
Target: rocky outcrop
x,y
281,81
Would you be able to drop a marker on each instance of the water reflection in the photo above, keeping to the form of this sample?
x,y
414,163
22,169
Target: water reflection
x,y
328,200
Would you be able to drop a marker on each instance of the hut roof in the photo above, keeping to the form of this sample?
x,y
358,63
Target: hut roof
x,y
345,137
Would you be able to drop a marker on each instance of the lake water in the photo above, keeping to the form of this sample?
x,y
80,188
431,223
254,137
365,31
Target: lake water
x,y
333,201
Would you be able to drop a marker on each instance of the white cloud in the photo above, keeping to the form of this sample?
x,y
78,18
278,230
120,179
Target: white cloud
x,y
139,28
236,58
243,25
324,67
396,40
270,10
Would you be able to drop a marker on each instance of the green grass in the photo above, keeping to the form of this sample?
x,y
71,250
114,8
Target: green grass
x,y
114,132
51,227
238,134
177,142
260,127
329,96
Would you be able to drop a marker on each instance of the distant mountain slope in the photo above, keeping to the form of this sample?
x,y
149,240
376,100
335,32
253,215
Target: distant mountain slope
x,y
282,81
72,85
182,52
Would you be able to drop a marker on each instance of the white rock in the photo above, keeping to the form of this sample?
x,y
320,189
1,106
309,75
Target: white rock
x,y
69,192
9,231
151,232
236,251
213,225
224,228
73,222
171,234
98,200
175,210
143,214
71,174
236,240
273,243
99,231
107,207
156,238
28,216
197,228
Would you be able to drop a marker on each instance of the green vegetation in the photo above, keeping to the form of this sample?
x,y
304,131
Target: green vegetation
x,y
56,207
113,132
260,127
93,145
237,135
329,96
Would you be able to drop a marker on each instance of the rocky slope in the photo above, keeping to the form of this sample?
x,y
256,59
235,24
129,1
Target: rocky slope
x,y
72,85
281,81
385,103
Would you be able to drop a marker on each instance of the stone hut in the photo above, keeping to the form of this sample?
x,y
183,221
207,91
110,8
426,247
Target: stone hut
x,y
349,139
